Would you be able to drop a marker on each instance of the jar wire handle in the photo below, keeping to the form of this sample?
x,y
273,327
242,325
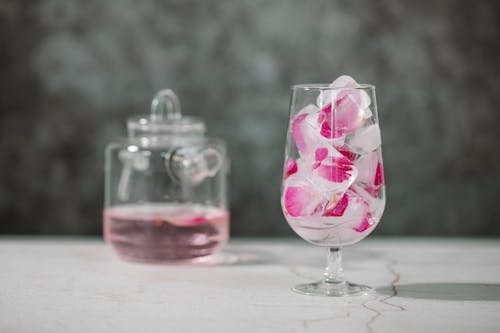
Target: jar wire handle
x,y
165,105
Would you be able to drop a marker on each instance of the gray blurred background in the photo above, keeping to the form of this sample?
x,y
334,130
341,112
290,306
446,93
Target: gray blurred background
x,y
71,72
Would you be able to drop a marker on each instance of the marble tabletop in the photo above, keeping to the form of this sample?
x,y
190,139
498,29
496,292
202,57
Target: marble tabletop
x,y
77,285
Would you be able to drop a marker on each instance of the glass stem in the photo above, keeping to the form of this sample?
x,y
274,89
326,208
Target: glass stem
x,y
334,273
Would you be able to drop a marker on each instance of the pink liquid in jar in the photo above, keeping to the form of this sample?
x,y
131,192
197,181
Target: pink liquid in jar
x,y
158,233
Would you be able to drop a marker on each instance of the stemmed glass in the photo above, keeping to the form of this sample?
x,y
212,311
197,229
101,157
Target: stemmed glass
x,y
333,192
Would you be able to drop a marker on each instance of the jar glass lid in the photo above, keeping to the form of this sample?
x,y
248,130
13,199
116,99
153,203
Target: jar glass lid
x,y
165,118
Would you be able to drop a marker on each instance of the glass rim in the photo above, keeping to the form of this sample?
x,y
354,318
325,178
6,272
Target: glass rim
x,y
326,86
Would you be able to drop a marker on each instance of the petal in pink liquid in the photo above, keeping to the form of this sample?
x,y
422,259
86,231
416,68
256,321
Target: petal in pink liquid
x,y
188,221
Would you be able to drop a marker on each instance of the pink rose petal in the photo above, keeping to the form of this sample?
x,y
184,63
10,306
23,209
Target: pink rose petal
x,y
321,154
370,173
370,195
379,175
365,224
306,133
301,201
295,200
290,168
332,175
188,221
336,169
196,220
352,156
373,190
341,118
339,208
350,212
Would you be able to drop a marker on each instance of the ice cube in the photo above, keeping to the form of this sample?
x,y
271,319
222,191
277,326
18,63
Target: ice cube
x,y
344,81
306,133
356,215
339,119
336,169
344,150
326,97
354,212
332,177
376,204
301,198
367,168
364,140
371,173
344,108
356,94
312,187
365,223
337,208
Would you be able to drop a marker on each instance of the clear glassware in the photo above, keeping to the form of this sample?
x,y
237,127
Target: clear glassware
x,y
333,191
165,188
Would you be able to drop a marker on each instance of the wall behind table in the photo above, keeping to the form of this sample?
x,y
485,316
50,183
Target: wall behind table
x,y
72,71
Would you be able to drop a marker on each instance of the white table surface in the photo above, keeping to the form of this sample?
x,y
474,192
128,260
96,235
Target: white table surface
x,y
423,285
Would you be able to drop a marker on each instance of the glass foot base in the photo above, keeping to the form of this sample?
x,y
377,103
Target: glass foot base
x,y
341,289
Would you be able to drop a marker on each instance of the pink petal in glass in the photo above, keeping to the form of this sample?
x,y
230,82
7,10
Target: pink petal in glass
x,y
365,224
321,154
335,169
344,118
301,201
379,175
290,168
305,131
339,208
373,191
352,156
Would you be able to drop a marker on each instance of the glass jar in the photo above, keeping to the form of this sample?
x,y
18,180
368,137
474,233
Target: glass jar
x,y
165,188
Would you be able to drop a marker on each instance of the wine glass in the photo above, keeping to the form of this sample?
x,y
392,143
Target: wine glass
x,y
333,192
